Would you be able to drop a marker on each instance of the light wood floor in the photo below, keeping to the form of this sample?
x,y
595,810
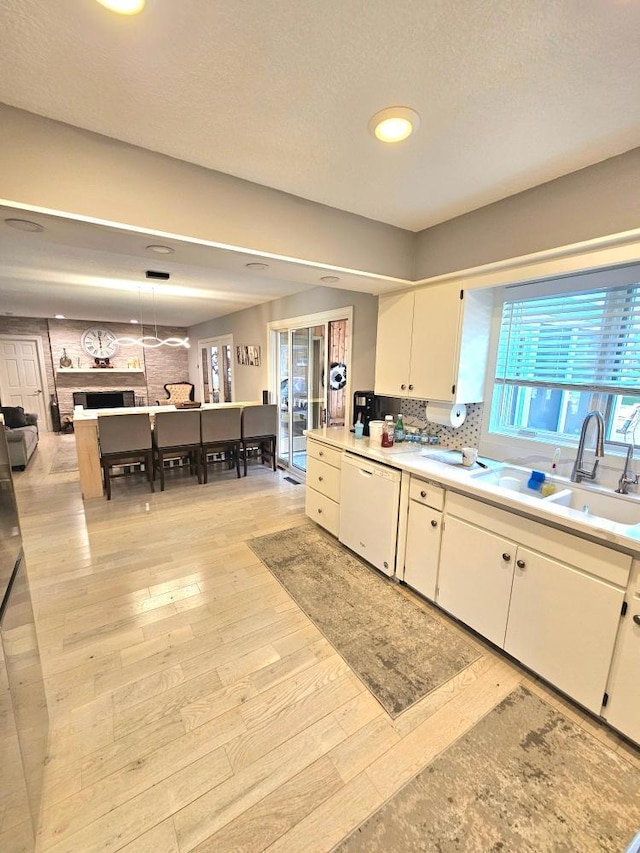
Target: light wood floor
x,y
193,706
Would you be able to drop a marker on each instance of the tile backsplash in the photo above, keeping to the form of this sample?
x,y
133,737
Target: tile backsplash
x,y
468,435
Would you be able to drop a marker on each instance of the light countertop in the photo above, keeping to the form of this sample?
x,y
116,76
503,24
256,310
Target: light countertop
x,y
409,457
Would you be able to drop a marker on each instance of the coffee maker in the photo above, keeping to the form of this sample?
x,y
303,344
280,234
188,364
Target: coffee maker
x,y
364,406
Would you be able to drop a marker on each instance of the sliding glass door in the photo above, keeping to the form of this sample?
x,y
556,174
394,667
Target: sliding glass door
x,y
310,380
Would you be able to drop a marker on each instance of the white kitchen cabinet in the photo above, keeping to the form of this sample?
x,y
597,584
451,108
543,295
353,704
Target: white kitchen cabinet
x,y
562,624
476,572
623,708
432,344
322,497
424,531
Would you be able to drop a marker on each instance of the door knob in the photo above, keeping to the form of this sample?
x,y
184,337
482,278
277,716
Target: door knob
x,y
521,564
506,557
434,523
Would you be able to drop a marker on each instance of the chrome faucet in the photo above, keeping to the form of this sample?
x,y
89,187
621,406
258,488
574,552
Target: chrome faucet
x,y
579,473
626,479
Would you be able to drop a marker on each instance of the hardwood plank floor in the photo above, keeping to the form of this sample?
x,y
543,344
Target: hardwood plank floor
x,y
193,706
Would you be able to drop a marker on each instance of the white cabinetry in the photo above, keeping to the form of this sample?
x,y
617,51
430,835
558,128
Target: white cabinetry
x,y
476,572
322,498
623,708
424,529
432,344
563,624
556,612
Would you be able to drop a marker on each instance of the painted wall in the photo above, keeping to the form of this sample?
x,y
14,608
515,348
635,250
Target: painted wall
x,y
57,166
250,327
594,202
161,365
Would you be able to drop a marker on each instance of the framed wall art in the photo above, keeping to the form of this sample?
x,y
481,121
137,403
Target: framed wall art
x,y
248,355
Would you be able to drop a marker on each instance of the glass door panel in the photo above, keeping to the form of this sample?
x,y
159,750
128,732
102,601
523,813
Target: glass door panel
x,y
217,377
299,394
284,405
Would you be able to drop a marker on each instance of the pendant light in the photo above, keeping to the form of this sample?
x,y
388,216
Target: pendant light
x,y
152,341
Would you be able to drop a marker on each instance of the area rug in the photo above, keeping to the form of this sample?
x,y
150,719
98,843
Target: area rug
x,y
524,779
66,458
400,652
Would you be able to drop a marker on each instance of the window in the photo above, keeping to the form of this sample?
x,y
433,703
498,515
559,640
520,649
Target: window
x,y
564,353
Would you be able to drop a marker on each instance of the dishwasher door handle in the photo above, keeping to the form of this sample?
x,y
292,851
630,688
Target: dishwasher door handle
x,y
365,473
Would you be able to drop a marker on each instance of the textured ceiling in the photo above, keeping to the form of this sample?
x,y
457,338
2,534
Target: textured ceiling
x,y
511,92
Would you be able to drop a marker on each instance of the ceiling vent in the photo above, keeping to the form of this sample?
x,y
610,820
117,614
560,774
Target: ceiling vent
x,y
158,276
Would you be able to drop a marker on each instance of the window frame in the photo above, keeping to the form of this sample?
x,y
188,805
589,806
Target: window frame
x,y
514,443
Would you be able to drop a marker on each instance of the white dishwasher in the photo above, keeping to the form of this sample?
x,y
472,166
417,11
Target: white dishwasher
x,y
369,502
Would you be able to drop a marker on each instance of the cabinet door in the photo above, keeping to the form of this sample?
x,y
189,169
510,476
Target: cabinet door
x,y
623,709
393,347
476,571
563,624
423,549
435,342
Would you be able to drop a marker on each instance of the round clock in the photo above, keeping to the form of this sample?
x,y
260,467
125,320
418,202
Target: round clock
x,y
99,343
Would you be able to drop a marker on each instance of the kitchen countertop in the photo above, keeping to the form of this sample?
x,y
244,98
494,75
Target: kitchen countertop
x,y
408,457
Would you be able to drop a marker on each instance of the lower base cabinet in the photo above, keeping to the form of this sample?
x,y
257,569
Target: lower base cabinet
x,y
422,553
623,708
563,624
476,571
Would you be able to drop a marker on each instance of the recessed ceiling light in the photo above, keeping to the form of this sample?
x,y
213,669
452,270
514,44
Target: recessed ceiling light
x,y
161,250
394,124
60,317
257,266
24,225
123,7
329,279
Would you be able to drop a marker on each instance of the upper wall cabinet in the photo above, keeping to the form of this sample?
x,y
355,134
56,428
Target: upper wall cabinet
x,y
432,344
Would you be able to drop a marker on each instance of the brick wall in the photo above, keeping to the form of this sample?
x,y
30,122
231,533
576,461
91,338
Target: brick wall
x,y
161,365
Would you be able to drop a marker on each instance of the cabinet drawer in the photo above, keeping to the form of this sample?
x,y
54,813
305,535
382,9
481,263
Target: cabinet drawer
x,y
324,453
426,493
323,511
324,478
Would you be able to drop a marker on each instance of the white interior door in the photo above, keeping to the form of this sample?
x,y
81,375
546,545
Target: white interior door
x,y
21,376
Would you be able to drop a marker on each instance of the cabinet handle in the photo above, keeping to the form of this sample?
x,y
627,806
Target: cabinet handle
x,y
434,523
320,479
402,387
506,557
319,512
521,564
636,619
410,387
423,494
321,453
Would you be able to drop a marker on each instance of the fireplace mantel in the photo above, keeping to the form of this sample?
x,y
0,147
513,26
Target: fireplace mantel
x,y
100,370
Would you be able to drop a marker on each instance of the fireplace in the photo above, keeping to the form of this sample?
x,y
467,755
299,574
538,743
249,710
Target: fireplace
x,y
103,399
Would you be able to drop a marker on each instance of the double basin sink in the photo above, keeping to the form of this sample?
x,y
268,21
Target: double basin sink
x,y
595,504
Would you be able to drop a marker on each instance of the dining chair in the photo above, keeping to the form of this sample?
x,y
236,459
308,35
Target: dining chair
x,y
124,439
220,430
178,394
259,426
177,434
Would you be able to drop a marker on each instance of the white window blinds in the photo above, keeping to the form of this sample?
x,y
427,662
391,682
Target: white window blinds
x,y
588,341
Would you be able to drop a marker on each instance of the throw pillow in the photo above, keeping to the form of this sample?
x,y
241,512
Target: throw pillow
x,y
14,417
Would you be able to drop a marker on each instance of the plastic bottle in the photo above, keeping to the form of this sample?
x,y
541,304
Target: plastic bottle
x,y
359,427
388,431
398,432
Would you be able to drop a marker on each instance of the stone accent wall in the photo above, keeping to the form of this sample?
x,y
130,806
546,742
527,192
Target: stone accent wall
x,y
161,365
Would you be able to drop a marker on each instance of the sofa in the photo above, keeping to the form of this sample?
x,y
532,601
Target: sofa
x,y
21,432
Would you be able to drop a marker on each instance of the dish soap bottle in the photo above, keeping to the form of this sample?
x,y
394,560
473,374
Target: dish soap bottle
x,y
549,487
399,429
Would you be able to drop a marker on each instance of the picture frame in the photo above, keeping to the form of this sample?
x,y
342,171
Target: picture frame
x,y
248,355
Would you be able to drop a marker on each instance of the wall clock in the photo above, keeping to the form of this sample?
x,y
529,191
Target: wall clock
x,y
99,343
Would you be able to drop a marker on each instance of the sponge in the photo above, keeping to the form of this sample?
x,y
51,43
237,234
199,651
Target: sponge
x,y
536,480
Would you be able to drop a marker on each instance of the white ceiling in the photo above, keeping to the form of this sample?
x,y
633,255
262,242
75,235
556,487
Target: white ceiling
x,y
511,93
